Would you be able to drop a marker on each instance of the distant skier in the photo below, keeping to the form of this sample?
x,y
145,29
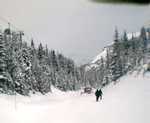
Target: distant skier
x,y
101,93
98,94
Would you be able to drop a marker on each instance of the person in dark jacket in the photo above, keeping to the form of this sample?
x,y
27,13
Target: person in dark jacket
x,y
98,94
101,93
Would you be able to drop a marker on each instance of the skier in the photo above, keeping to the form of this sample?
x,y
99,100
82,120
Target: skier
x,y
98,94
101,93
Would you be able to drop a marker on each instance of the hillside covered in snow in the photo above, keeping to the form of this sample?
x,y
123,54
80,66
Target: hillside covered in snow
x,y
127,52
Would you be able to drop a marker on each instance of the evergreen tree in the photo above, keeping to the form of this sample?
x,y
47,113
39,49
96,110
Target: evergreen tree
x,y
116,36
116,64
125,38
40,52
6,83
144,39
143,33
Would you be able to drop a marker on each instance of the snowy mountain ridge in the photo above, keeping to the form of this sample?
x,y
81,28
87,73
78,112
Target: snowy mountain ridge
x,y
97,60
103,55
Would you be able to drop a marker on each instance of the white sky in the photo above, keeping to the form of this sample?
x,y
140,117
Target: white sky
x,y
77,28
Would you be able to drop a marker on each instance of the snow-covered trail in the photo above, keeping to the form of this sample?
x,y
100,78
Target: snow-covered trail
x,y
125,102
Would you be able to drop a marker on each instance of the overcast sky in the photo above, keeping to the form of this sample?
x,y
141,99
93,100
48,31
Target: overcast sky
x,y
77,28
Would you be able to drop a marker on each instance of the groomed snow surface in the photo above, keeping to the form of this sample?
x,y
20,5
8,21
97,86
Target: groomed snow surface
x,y
127,101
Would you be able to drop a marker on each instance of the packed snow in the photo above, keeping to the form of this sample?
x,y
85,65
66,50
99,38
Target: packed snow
x,y
124,102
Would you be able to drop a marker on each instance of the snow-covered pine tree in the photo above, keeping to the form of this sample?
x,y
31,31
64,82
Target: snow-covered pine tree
x,y
116,64
42,70
6,83
125,38
107,74
143,38
40,53
102,73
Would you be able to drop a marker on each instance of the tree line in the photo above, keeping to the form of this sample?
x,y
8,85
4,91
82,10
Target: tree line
x,y
124,55
25,68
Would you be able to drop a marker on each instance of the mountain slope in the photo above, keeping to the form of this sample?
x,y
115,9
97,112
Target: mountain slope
x,y
103,55
126,53
96,62
125,102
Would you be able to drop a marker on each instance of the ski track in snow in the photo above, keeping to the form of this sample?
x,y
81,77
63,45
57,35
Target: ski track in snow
x,y
125,102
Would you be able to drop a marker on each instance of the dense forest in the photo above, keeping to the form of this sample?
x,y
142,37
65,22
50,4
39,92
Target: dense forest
x,y
124,55
26,69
